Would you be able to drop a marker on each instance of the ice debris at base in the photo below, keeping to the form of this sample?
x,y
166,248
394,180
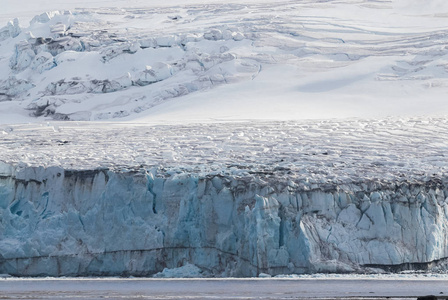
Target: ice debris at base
x,y
187,271
234,200
405,275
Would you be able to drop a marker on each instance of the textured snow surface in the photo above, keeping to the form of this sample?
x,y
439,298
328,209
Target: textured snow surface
x,y
267,60
233,199
389,150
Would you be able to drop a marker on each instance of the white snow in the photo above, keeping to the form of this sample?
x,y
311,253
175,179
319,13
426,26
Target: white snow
x,y
388,149
190,62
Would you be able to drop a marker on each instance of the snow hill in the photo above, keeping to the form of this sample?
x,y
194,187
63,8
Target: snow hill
x,y
232,139
196,62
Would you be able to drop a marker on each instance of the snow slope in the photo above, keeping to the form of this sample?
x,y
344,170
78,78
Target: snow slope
x,y
233,61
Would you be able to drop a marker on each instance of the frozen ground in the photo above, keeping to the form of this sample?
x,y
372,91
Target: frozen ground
x,y
190,62
221,289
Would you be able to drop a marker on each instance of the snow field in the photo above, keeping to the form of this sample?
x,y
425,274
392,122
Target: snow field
x,y
190,63
310,152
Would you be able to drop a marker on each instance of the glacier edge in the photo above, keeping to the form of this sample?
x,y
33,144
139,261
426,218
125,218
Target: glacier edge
x,y
59,222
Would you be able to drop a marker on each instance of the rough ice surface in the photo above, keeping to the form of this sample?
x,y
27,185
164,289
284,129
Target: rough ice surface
x,y
81,53
351,205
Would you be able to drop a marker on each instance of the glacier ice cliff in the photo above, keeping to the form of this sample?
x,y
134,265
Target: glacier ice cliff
x,y
59,222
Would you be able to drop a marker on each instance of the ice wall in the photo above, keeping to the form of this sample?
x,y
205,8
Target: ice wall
x,y
100,222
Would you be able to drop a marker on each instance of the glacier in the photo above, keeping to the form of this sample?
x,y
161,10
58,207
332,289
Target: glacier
x,y
188,184
58,222
232,199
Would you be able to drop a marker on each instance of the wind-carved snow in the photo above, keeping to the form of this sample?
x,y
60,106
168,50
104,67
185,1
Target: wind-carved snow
x,y
143,57
235,199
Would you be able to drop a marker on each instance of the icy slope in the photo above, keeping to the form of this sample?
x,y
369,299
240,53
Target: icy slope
x,y
317,197
289,60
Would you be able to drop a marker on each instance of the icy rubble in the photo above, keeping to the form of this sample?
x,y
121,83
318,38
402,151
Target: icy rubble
x,y
11,30
234,200
187,271
13,87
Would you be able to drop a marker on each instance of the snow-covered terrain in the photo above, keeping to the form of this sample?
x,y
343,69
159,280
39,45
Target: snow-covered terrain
x,y
258,60
235,139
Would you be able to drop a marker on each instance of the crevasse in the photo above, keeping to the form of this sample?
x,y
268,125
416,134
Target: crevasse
x,y
59,222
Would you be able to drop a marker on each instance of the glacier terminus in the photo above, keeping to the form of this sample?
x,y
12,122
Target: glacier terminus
x,y
207,139
296,205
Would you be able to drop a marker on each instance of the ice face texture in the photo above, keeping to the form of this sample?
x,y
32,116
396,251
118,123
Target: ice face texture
x,y
98,222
